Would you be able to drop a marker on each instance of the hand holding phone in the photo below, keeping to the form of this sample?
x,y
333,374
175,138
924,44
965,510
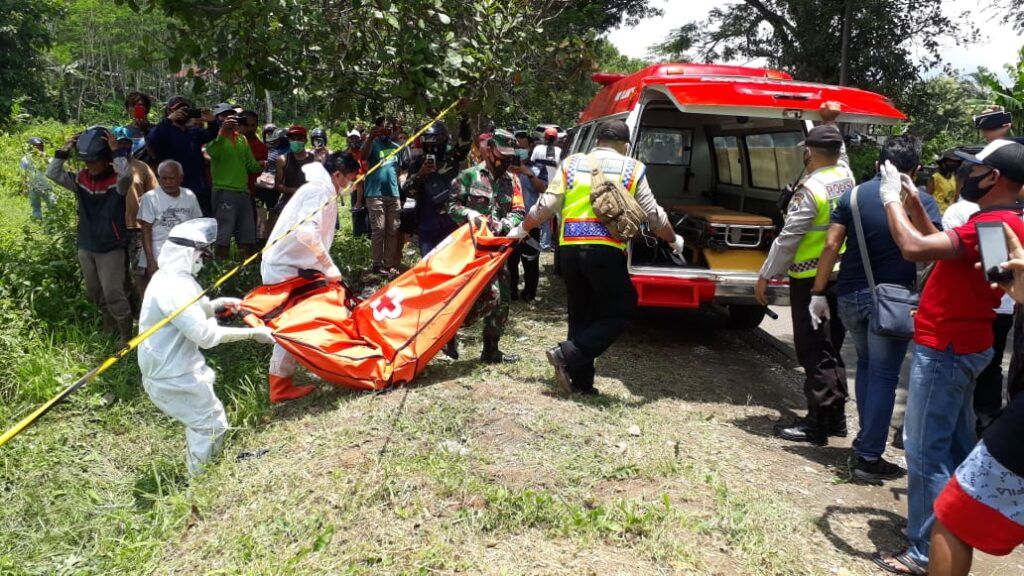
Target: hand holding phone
x,y
994,252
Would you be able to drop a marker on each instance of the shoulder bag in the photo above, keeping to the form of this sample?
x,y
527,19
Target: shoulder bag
x,y
893,305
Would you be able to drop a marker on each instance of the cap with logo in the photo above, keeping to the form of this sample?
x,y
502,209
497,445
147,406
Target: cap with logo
x,y
1006,156
504,142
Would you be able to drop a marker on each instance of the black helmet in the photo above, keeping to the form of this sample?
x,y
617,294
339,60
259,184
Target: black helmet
x,y
318,133
92,145
34,141
277,134
437,133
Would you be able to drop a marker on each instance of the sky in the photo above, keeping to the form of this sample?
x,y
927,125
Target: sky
x,y
998,46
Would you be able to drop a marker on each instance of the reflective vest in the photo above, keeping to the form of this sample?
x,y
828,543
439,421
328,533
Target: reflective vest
x,y
580,225
825,186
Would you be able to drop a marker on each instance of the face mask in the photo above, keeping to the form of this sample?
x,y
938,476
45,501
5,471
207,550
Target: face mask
x,y
296,147
971,191
197,266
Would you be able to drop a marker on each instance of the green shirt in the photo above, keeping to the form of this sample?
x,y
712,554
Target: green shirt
x,y
231,162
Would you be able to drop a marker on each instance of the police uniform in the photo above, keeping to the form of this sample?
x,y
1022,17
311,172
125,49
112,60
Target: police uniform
x,y
500,198
601,297
796,252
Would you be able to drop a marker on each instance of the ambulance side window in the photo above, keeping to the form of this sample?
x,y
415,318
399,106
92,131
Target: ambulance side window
x,y
775,159
727,160
666,146
583,141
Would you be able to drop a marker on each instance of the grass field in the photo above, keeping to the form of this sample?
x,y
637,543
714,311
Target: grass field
x,y
473,470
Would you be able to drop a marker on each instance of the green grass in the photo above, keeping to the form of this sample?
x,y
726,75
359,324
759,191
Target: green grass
x,y
475,470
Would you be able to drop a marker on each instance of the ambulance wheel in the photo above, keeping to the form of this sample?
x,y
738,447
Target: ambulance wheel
x,y
745,317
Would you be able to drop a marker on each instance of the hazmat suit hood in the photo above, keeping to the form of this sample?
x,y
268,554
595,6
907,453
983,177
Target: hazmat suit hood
x,y
308,245
185,245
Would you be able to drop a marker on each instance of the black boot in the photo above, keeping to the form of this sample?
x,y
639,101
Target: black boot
x,y
837,422
451,349
492,355
811,430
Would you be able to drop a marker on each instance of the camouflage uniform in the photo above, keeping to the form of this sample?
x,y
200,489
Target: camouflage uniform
x,y
501,200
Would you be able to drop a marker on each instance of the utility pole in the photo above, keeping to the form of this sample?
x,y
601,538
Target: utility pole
x,y
844,53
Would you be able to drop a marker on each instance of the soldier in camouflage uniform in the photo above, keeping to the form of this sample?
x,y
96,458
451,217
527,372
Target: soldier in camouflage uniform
x,y
488,194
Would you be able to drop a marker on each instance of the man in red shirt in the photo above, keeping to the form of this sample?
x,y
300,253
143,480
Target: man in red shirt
x,y
953,332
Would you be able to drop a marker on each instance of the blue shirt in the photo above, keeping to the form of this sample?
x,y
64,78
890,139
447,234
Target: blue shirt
x,y
887,261
384,180
168,142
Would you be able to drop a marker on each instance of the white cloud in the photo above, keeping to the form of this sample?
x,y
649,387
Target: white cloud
x,y
998,46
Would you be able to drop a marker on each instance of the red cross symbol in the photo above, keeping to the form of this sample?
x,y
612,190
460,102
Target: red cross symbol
x,y
388,306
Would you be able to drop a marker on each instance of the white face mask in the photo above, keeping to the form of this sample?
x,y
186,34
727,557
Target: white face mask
x,y
197,265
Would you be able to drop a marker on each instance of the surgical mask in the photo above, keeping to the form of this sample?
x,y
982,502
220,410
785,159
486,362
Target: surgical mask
x,y
296,146
197,266
971,191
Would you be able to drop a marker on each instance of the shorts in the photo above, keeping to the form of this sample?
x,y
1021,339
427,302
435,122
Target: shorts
x,y
235,217
982,504
135,252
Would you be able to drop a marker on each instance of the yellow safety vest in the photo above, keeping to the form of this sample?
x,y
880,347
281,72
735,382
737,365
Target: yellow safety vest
x,y
580,225
825,186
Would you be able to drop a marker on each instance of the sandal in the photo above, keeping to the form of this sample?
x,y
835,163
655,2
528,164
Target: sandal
x,y
907,565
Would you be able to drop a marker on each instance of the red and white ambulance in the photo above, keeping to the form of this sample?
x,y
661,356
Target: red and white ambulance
x,y
720,143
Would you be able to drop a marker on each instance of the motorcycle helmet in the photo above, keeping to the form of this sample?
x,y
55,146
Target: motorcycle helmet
x,y
92,145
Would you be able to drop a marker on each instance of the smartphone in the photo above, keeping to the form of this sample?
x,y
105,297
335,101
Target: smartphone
x,y
194,112
992,245
992,120
430,159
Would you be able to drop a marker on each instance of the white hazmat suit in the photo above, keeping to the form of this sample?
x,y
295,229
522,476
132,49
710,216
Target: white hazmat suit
x,y
308,247
174,372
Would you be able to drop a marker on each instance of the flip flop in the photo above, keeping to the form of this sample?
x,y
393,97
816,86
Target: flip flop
x,y
909,565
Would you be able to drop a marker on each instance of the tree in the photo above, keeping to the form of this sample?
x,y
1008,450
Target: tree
x,y
940,110
1009,96
805,37
360,58
23,39
1013,10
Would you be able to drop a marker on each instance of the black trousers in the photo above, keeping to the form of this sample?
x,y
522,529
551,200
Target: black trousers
x,y
601,302
530,259
988,391
818,350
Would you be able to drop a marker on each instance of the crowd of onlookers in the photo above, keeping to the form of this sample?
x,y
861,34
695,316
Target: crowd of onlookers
x,y
143,178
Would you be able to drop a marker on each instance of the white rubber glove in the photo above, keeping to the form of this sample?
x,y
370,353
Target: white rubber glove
x,y
332,274
517,233
472,215
892,184
229,304
263,335
677,245
819,311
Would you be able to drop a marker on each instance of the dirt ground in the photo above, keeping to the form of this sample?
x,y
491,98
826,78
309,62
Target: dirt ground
x,y
672,470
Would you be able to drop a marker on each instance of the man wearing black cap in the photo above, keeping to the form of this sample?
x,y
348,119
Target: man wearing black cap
x,y
953,333
601,296
796,251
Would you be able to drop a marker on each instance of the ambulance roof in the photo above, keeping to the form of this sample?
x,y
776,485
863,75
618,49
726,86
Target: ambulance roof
x,y
739,90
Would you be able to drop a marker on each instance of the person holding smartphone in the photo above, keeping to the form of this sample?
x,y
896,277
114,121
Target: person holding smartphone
x,y
953,332
381,195
174,139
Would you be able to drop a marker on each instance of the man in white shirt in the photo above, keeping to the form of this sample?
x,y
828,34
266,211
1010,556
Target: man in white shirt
x,y
548,156
160,210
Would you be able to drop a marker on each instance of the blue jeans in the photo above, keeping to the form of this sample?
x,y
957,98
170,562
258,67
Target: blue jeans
x,y
545,235
938,432
879,360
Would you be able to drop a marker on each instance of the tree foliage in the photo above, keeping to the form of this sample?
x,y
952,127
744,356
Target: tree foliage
x,y
940,110
1012,10
1009,95
23,38
890,42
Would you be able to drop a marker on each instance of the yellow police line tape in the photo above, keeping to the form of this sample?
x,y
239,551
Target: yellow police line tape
x,y
134,342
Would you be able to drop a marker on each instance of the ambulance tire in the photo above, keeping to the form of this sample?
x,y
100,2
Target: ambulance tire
x,y
745,317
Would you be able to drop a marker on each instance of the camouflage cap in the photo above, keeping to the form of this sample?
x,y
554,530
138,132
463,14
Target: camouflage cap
x,y
504,142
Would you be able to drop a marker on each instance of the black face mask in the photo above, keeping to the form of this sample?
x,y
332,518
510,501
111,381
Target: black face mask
x,y
971,191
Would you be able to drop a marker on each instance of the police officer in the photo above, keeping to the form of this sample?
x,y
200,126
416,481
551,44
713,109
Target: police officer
x,y
601,297
488,194
796,251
